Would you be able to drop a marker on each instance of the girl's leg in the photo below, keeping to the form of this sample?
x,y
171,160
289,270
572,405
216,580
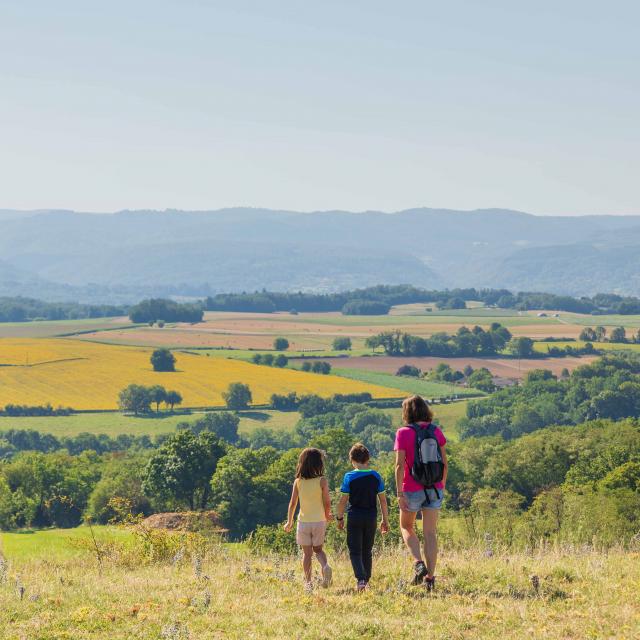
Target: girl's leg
x,y
407,524
429,528
320,555
307,556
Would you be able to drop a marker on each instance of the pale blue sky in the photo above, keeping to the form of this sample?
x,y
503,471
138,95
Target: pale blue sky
x,y
320,105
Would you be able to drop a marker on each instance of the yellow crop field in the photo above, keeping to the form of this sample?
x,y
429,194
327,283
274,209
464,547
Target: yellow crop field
x,y
84,375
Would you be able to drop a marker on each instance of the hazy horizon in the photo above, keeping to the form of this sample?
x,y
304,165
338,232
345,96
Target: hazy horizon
x,y
317,211
358,106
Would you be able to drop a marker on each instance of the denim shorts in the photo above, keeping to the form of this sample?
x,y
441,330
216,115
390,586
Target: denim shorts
x,y
417,500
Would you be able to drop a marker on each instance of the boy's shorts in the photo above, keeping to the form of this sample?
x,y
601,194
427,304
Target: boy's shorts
x,y
311,533
417,500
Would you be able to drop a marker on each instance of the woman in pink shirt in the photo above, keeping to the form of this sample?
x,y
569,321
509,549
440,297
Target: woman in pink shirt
x,y
412,496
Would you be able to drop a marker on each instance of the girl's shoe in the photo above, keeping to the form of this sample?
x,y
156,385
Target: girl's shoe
x,y
362,585
327,576
430,583
308,587
420,572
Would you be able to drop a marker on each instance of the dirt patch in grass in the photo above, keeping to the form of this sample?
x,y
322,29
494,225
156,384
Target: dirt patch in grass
x,y
185,521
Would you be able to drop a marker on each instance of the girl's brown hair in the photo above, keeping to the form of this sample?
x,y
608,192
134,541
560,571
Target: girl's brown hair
x,y
416,409
310,463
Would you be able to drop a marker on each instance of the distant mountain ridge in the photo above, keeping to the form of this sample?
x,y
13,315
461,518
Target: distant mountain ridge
x,y
119,257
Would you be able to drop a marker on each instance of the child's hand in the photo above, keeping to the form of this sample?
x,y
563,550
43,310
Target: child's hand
x,y
288,526
384,527
341,524
329,517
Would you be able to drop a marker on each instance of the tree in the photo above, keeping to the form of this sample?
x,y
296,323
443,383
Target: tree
x,y
157,395
521,347
163,360
588,335
321,367
280,360
342,344
223,424
181,469
618,335
134,399
482,379
173,398
238,396
242,496
409,370
280,344
601,333
121,480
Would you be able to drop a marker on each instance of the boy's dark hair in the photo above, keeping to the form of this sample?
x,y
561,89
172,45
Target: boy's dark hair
x,y
359,453
310,464
416,409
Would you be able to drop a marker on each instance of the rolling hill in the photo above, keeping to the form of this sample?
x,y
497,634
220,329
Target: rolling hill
x,y
129,254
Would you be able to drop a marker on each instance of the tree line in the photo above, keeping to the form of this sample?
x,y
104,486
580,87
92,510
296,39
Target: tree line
x,y
465,342
389,295
608,388
18,309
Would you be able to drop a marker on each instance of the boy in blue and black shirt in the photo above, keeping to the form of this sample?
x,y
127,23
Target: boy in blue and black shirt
x,y
362,489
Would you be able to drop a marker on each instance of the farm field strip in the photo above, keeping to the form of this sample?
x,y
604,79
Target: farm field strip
x,y
502,367
53,328
406,384
94,381
542,347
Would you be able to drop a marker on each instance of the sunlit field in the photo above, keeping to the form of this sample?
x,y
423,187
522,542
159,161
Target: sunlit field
x,y
86,376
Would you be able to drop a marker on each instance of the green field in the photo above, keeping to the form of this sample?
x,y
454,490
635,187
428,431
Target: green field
x,y
52,544
542,346
604,321
468,316
114,423
409,385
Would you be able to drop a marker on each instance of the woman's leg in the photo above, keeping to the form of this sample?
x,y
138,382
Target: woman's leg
x,y
407,527
307,556
429,528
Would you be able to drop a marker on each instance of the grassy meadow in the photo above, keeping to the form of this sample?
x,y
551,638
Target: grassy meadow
x,y
114,423
407,384
232,593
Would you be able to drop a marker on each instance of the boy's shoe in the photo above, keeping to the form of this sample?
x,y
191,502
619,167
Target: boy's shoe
x,y
308,587
327,576
362,585
420,572
430,583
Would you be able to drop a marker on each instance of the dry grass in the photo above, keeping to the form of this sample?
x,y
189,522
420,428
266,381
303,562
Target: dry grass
x,y
233,595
